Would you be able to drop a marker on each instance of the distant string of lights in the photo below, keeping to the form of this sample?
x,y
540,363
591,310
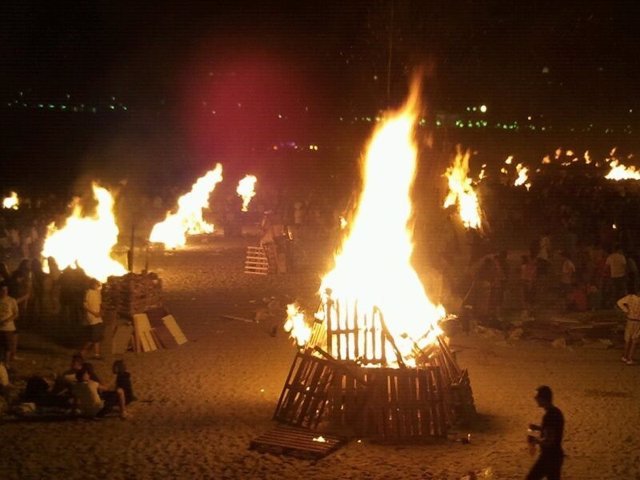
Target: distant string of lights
x,y
442,120
66,105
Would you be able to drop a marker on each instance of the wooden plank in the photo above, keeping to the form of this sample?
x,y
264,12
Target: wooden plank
x,y
151,342
141,326
121,339
256,273
164,337
171,324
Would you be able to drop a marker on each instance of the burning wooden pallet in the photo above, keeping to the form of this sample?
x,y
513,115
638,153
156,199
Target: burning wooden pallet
x,y
391,404
386,404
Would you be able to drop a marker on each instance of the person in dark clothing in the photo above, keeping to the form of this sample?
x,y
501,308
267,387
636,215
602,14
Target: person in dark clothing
x,y
549,462
123,381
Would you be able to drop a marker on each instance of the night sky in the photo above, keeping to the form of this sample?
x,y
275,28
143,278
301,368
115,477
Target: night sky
x,y
188,82
512,54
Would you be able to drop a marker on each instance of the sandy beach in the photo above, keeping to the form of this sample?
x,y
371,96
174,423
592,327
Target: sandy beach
x,y
202,403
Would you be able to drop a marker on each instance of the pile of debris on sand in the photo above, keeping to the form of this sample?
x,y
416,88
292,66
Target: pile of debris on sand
x,y
597,329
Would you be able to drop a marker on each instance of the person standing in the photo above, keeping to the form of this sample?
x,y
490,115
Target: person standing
x,y
528,275
630,304
94,326
8,315
549,463
616,264
567,276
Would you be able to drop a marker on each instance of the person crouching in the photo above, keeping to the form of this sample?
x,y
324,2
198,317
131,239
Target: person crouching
x,y
93,399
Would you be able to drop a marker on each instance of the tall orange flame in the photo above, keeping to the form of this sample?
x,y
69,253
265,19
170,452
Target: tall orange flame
x,y
461,191
187,220
86,241
246,190
373,267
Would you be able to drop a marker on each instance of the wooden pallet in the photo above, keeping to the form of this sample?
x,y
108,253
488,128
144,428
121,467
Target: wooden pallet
x,y
353,333
405,405
297,442
256,261
305,393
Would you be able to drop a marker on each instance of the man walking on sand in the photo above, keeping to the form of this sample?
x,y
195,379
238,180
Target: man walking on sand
x,y
630,304
549,462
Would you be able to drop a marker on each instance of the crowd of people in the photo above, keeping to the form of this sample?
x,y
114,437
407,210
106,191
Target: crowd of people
x,y
78,391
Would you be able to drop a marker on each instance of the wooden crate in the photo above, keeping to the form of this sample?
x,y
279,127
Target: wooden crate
x,y
305,393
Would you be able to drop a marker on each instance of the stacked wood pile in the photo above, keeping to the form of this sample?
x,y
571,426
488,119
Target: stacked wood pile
x,y
386,404
132,293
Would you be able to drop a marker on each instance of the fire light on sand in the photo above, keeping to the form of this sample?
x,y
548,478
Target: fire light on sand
x,y
373,276
86,241
173,231
246,190
11,202
461,191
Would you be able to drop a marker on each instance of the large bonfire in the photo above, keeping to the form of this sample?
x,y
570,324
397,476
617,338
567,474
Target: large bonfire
x,y
86,240
373,271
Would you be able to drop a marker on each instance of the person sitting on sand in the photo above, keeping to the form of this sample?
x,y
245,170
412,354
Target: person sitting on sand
x,y
60,392
66,379
93,399
123,381
8,316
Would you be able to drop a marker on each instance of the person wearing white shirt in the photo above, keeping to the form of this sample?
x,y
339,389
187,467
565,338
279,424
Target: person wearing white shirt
x,y
630,304
8,315
94,326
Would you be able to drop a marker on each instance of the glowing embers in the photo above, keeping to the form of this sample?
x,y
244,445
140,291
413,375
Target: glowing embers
x,y
461,191
188,220
86,240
